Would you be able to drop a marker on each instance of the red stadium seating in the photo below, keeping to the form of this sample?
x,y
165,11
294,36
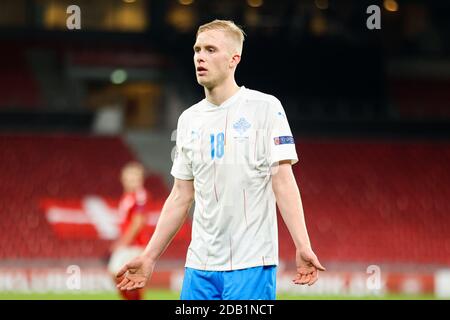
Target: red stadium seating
x,y
62,167
375,201
369,202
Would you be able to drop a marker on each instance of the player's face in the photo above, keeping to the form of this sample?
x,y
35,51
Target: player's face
x,y
212,58
132,179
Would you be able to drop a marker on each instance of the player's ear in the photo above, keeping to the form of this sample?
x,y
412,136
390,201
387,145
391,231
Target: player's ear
x,y
235,59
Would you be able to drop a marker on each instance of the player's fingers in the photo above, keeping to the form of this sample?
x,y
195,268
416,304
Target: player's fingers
x,y
301,280
128,286
314,278
314,275
317,264
141,284
297,277
301,272
122,271
123,283
304,271
307,278
136,286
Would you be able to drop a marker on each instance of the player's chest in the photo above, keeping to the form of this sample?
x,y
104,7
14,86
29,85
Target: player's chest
x,y
231,138
236,123
223,127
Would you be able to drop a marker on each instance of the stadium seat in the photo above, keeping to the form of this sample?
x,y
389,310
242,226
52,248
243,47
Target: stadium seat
x,y
61,167
364,201
383,202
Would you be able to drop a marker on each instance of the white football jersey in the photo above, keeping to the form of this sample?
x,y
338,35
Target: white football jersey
x,y
228,151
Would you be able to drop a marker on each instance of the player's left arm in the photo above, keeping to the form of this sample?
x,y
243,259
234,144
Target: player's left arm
x,y
137,223
289,202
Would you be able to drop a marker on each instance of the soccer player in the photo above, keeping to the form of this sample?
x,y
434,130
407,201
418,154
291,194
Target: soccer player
x,y
234,152
132,214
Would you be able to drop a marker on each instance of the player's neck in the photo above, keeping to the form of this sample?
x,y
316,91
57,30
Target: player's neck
x,y
221,93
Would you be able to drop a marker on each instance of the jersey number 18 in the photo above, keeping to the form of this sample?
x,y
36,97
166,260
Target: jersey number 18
x,y
217,148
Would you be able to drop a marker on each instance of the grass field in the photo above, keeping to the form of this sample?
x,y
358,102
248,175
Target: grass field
x,y
170,295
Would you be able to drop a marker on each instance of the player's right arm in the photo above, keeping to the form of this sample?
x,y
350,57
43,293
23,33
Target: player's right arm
x,y
175,210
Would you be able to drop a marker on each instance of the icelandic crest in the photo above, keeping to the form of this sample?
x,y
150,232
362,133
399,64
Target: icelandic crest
x,y
241,126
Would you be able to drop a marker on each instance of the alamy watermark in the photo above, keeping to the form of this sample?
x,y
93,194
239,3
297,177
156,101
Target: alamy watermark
x,y
73,281
373,281
374,20
73,22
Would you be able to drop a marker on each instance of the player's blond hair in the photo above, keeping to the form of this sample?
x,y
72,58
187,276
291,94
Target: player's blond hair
x,y
230,28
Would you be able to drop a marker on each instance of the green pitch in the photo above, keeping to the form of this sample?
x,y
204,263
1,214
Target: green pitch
x,y
170,295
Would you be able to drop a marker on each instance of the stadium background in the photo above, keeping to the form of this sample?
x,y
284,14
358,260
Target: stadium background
x,y
370,111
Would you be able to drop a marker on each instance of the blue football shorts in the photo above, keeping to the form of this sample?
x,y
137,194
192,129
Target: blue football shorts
x,y
257,283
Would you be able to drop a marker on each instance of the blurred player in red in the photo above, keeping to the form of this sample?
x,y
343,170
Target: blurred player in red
x,y
133,217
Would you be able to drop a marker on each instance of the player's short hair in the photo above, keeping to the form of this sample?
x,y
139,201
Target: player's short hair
x,y
134,165
229,27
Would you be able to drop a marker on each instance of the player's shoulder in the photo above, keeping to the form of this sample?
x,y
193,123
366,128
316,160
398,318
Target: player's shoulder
x,y
186,114
263,99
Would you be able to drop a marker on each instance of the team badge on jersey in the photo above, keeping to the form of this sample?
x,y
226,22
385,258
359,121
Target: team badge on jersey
x,y
283,140
241,126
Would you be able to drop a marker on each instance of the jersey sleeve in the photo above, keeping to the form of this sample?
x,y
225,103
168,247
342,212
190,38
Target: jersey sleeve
x,y
281,141
182,165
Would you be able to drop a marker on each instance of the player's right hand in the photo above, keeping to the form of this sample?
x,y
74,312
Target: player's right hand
x,y
135,273
308,267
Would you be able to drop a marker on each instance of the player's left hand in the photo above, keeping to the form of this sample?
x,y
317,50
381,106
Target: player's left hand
x,y
136,273
308,267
